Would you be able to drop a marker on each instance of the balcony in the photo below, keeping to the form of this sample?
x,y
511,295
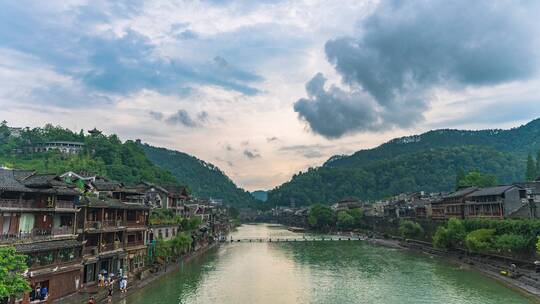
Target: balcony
x,y
90,250
110,246
133,224
16,203
112,223
65,204
92,225
36,234
135,244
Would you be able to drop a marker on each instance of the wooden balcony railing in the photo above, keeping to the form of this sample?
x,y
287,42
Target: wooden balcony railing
x,y
110,246
65,204
135,223
36,234
136,243
92,225
90,250
16,203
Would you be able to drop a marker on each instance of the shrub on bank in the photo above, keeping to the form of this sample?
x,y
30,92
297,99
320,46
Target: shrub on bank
x,y
410,229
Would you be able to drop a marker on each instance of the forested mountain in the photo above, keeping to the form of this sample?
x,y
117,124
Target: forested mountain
x,y
104,155
261,195
203,179
429,162
129,162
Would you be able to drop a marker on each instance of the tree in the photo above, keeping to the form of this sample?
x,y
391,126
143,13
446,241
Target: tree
x,y
480,240
456,232
321,217
345,220
478,179
460,175
410,229
512,243
537,164
12,267
530,174
441,239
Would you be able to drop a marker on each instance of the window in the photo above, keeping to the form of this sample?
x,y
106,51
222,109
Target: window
x,y
167,232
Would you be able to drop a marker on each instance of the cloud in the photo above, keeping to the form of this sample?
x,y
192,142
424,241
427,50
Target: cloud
x,y
404,50
156,115
308,151
182,117
334,112
251,154
272,139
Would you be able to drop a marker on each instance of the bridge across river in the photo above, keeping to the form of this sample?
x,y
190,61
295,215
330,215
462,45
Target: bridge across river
x,y
291,239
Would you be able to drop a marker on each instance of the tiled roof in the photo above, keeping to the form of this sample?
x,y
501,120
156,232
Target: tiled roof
x,y
498,190
462,192
8,182
47,245
109,203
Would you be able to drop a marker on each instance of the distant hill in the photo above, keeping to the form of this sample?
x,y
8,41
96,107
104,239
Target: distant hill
x,y
129,162
427,162
203,179
260,195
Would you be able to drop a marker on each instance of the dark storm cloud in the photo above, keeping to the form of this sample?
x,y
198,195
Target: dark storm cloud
x,y
405,49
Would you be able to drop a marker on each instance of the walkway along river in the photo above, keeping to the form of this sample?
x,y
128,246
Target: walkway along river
x,y
319,272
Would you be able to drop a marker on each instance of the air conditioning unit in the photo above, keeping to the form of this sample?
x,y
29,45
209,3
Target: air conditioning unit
x,y
97,225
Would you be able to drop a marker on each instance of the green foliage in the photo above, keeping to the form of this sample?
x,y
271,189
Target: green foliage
x,y
345,220
164,217
451,235
441,239
103,155
511,243
537,245
431,170
480,240
410,229
181,244
321,217
530,173
429,162
204,179
478,179
357,215
163,249
12,267
456,232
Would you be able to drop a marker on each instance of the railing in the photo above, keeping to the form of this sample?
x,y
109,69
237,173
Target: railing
x,y
36,234
112,223
16,203
90,250
92,225
135,223
136,243
62,230
65,204
110,246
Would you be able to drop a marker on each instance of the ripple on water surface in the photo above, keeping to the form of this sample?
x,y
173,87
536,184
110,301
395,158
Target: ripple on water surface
x,y
320,272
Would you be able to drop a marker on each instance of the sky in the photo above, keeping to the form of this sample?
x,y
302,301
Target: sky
x,y
265,89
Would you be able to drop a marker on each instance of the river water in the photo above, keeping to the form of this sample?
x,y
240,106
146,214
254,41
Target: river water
x,y
319,272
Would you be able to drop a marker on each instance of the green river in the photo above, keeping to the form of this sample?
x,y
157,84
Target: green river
x,y
319,272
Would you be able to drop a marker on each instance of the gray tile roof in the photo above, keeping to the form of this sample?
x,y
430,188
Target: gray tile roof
x,y
8,182
498,190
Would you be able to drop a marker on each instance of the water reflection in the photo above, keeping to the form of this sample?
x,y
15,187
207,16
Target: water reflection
x,y
316,272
